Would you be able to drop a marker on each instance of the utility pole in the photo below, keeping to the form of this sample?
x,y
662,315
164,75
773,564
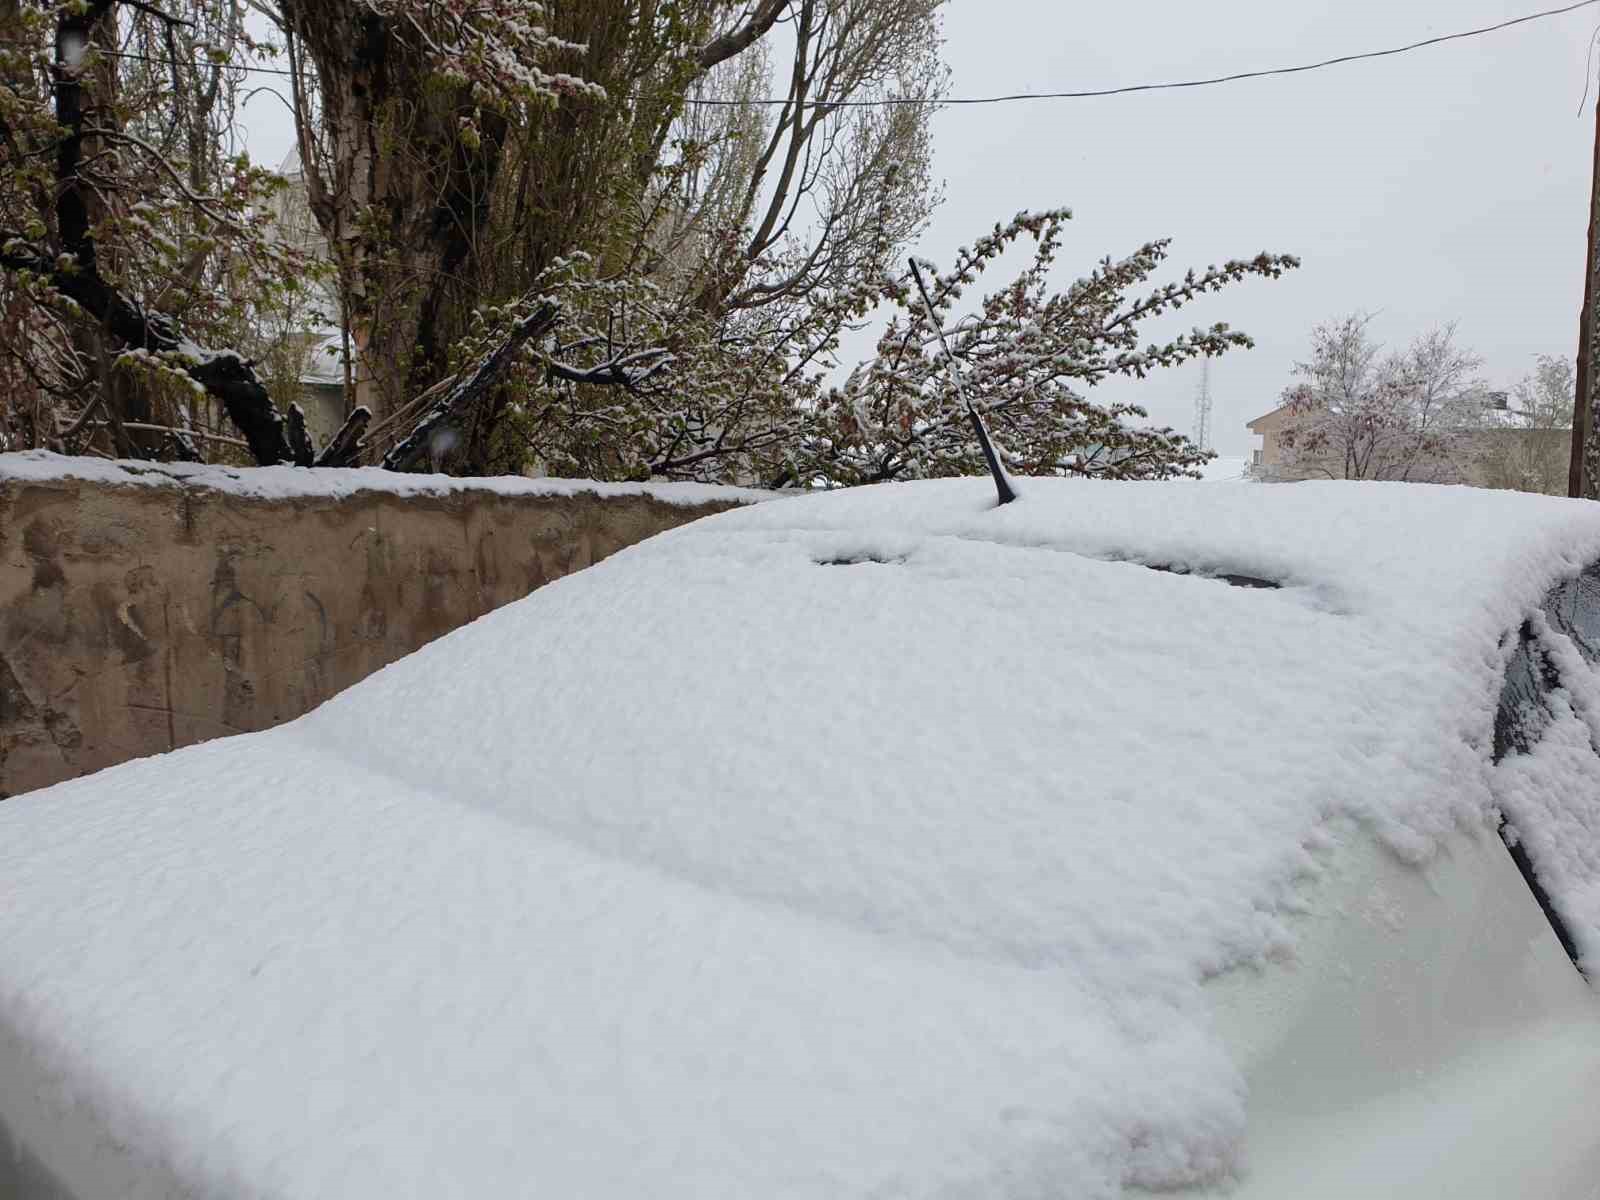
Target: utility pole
x,y
1583,474
1202,408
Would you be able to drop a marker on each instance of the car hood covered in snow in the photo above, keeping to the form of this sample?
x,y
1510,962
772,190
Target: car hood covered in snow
x,y
868,844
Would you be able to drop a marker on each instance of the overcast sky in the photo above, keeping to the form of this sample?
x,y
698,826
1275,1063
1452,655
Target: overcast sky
x,y
1448,184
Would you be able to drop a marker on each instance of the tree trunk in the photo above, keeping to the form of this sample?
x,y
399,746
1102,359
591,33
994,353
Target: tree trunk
x,y
401,196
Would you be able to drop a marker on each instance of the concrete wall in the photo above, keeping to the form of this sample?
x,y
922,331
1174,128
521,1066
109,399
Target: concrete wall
x,y
136,619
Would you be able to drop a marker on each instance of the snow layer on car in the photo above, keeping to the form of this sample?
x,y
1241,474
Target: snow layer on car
x,y
715,872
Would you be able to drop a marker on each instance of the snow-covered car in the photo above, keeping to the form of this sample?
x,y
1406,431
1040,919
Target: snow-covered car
x,y
888,843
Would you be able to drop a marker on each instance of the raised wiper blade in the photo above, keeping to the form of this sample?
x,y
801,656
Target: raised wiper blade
x,y
1002,482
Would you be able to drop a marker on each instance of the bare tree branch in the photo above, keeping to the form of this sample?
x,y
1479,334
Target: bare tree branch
x,y
739,39
469,387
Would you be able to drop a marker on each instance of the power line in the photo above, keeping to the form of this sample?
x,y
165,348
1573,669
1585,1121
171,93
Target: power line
x,y
1087,94
1190,83
1588,61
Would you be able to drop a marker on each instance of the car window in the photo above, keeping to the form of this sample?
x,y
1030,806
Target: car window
x,y
1523,712
1573,607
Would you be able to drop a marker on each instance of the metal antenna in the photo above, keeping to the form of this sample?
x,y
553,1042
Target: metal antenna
x,y
1002,483
1202,408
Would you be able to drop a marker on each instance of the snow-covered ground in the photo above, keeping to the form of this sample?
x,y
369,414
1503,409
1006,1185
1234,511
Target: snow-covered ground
x,y
869,844
1225,470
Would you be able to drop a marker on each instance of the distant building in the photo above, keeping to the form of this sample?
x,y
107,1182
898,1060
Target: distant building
x,y
314,354
291,216
1504,452
322,384
1270,461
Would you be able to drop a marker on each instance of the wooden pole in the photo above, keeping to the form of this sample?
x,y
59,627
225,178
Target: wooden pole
x,y
1586,458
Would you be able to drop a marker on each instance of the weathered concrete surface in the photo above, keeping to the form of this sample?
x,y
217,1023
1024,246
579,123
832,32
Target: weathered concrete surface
x,y
135,620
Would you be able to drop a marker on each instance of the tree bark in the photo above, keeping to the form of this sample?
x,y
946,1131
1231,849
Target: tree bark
x,y
1583,475
401,196
737,41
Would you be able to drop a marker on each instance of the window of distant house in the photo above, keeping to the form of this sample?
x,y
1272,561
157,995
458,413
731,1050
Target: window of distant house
x,y
1255,457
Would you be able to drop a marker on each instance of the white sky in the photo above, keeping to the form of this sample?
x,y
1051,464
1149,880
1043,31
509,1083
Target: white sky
x,y
1451,183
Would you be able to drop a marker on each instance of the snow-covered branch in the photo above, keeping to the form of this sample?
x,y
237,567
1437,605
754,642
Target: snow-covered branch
x,y
1024,351
627,370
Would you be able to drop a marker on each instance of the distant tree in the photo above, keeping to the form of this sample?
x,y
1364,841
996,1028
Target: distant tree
x,y
1528,446
1542,399
1362,414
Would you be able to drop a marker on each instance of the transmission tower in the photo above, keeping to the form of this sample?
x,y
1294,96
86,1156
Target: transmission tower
x,y
1202,408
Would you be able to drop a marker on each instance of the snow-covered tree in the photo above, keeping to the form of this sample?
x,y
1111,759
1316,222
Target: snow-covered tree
x,y
453,154
643,382
726,246
1542,399
545,254
1030,356
1528,444
1362,414
127,230
736,227
827,178
405,110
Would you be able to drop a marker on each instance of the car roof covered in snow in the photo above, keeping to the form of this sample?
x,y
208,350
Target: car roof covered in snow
x,y
863,844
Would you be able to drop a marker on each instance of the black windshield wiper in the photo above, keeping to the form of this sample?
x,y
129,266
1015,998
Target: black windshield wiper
x,y
1002,482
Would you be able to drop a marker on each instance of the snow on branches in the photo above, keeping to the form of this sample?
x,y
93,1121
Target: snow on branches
x,y
494,46
639,382
129,230
1024,352
1359,413
742,396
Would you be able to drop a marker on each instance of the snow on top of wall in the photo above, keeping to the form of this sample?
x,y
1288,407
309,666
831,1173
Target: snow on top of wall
x,y
875,843
286,482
